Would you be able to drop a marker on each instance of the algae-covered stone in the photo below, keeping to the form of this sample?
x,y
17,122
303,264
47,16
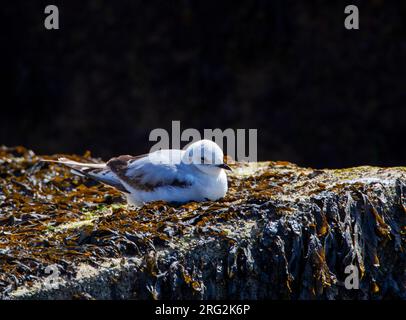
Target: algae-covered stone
x,y
282,232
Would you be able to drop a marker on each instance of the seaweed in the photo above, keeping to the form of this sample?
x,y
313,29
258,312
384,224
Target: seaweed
x,y
282,232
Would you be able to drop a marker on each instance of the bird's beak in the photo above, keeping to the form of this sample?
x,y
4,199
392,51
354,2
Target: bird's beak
x,y
224,166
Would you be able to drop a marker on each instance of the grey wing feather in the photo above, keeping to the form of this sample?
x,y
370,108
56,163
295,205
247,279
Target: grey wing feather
x,y
160,168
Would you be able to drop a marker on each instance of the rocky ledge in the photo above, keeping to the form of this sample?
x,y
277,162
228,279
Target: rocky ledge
x,y
282,232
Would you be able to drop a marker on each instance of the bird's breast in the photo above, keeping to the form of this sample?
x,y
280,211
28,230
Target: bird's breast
x,y
215,187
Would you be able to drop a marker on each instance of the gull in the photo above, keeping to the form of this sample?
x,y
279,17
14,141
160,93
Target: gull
x,y
194,174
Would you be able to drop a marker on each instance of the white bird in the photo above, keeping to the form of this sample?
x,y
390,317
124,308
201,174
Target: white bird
x,y
194,174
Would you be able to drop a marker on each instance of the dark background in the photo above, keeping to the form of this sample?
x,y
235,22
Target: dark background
x,y
318,94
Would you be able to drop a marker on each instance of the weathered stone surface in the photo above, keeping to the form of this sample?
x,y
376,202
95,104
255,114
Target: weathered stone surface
x,y
282,232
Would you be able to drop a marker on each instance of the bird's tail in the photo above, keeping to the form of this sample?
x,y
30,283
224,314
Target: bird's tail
x,y
96,171
77,165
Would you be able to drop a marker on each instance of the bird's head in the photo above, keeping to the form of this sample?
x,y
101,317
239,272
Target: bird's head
x,y
207,156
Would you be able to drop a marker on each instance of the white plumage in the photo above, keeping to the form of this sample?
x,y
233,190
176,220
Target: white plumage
x,y
194,174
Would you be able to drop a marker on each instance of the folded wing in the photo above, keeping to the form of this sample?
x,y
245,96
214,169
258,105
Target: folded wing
x,y
148,172
145,172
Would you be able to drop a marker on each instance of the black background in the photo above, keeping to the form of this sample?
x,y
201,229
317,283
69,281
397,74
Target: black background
x,y
319,95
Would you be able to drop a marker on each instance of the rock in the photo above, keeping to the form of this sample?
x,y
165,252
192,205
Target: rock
x,y
282,232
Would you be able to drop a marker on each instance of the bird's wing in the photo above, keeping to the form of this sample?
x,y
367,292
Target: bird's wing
x,y
96,171
147,172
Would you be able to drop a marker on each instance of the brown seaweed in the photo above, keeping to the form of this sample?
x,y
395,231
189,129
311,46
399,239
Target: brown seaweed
x,y
281,232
